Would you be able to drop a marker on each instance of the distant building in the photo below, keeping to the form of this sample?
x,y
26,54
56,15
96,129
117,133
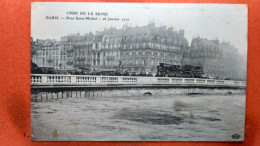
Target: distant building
x,y
96,52
143,48
77,51
106,49
137,49
47,53
218,59
35,52
234,65
51,54
63,57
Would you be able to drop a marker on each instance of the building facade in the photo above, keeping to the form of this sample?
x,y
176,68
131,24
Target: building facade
x,y
234,65
218,59
143,48
106,49
138,49
47,54
77,51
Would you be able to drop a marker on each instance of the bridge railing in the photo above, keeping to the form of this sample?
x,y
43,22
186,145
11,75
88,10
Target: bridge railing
x,y
50,79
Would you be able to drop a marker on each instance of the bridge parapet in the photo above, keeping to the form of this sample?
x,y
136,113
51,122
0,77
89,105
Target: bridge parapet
x,y
88,80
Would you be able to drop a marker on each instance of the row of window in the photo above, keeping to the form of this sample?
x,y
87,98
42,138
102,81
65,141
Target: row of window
x,y
49,52
81,65
126,37
138,37
50,62
82,43
124,54
112,46
51,47
152,53
140,45
151,45
145,62
134,62
205,54
106,62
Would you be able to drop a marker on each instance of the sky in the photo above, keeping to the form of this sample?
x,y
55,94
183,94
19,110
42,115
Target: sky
x,y
225,22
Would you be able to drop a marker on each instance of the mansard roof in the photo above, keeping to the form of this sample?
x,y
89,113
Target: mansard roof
x,y
149,32
98,38
160,34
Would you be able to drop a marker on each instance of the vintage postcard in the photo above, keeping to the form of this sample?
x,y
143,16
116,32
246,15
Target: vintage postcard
x,y
138,71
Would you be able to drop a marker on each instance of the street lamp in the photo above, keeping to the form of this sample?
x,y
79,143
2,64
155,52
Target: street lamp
x,y
119,65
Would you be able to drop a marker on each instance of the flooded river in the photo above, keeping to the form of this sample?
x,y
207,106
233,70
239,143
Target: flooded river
x,y
143,118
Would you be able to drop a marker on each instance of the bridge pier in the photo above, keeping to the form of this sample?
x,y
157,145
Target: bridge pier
x,y
88,93
85,94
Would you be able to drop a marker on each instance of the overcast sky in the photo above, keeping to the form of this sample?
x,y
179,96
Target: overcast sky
x,y
222,21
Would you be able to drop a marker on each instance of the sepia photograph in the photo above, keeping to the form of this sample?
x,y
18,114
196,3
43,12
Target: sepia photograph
x,y
138,71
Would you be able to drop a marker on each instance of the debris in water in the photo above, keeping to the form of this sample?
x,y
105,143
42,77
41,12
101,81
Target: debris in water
x,y
55,134
191,115
179,105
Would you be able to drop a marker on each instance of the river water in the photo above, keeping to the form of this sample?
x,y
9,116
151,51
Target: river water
x,y
143,118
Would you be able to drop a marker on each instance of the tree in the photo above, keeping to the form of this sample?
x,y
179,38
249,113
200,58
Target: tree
x,y
35,69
